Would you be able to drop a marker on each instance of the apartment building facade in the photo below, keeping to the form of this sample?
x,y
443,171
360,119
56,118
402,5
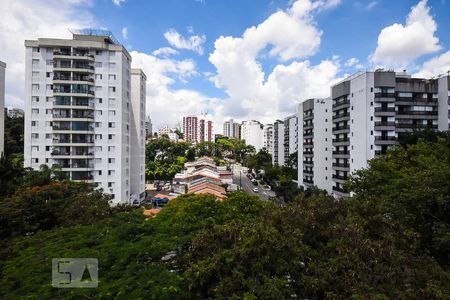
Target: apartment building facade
x,y
268,138
315,144
371,110
80,112
253,134
232,129
278,143
290,136
198,129
2,106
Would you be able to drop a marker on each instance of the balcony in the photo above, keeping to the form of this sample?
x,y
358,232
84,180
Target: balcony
x,y
384,95
308,163
384,125
341,140
308,172
417,113
340,191
341,165
385,140
67,54
341,104
384,111
340,177
308,181
341,116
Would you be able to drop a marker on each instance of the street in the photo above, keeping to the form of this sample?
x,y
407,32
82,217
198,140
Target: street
x,y
241,178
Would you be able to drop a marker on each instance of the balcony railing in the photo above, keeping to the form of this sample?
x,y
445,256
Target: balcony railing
x,y
340,140
385,138
341,115
341,152
341,165
340,177
384,124
341,128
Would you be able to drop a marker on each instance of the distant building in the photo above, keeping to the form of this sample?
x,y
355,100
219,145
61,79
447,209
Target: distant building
x,y
2,105
148,127
16,113
197,129
170,132
290,136
268,138
232,129
278,143
253,134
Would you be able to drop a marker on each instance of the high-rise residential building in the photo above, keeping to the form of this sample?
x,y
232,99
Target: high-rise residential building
x,y
190,129
371,110
138,134
165,130
2,106
253,134
268,138
80,110
197,129
315,144
205,129
148,128
232,129
237,131
278,143
16,113
290,136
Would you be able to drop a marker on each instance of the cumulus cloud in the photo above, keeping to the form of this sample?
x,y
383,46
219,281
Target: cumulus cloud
x,y
399,45
31,19
194,42
125,33
118,2
165,51
436,66
165,104
240,73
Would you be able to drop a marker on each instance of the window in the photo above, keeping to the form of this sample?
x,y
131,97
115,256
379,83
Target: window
x,y
111,160
49,62
48,111
98,64
48,74
111,148
110,184
48,135
35,111
112,53
35,135
35,62
98,88
35,99
98,136
112,65
112,77
98,112
47,148
98,76
112,112
97,124
35,74
36,160
34,148
112,125
49,87
98,52
100,100
112,89
35,87
100,172
110,136
34,123
98,148
35,49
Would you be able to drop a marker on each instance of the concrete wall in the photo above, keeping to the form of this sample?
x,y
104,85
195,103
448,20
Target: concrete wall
x,y
2,106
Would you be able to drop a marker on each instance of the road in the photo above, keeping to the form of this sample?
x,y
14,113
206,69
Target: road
x,y
239,177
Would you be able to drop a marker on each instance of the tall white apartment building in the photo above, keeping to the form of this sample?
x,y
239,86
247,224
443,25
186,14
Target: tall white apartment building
x,y
232,129
80,113
278,143
290,136
2,107
315,144
371,110
253,134
148,127
138,133
268,138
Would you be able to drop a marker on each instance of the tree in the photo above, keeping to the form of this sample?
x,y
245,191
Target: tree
x,y
13,135
413,187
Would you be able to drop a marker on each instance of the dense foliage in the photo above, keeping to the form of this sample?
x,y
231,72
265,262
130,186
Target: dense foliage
x,y
389,241
13,135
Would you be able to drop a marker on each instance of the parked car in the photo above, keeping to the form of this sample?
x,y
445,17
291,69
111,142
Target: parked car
x,y
255,190
254,182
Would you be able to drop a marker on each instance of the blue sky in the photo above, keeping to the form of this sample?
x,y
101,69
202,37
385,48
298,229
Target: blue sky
x,y
291,51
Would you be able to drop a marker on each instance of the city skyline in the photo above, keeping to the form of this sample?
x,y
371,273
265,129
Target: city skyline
x,y
246,71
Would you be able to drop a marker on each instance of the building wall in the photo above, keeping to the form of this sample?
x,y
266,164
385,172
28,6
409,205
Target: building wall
x,y
444,103
278,144
2,106
253,134
138,134
106,140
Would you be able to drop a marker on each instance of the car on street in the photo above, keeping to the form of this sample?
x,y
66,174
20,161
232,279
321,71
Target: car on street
x,y
255,190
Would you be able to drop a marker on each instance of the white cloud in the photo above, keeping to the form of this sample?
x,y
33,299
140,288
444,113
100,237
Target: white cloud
x,y
371,5
30,19
351,62
125,33
165,104
240,73
399,45
165,51
194,42
118,2
435,66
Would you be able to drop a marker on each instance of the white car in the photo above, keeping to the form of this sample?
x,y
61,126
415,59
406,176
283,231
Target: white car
x,y
255,190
